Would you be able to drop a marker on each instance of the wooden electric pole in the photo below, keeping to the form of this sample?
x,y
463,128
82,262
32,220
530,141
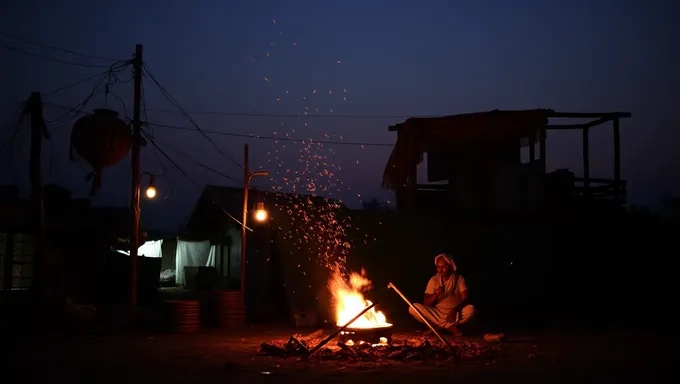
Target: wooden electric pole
x,y
246,181
38,130
135,173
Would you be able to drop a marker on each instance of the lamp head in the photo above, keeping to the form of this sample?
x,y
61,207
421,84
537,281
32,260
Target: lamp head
x,y
151,189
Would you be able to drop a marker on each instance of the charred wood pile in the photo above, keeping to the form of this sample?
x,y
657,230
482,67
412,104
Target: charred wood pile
x,y
401,348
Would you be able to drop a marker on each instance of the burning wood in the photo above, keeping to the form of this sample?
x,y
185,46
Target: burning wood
x,y
402,348
348,300
365,334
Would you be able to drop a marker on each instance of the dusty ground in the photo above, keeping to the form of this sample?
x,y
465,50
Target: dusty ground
x,y
223,356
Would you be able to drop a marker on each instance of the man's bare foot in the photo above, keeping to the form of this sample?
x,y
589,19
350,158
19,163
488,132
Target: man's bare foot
x,y
456,332
428,332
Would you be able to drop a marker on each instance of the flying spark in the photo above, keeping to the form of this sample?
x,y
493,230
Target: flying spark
x,y
309,189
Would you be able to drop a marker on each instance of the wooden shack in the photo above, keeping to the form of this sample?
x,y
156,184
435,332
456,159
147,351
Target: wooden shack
x,y
474,163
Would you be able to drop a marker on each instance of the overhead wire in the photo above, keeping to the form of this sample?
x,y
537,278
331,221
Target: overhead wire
x,y
69,51
164,168
72,112
332,142
191,159
284,115
114,78
113,67
118,64
7,148
183,172
9,48
172,101
249,136
144,109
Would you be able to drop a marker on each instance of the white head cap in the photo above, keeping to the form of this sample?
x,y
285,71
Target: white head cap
x,y
448,259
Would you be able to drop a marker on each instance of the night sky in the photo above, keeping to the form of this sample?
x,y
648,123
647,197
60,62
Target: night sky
x,y
394,59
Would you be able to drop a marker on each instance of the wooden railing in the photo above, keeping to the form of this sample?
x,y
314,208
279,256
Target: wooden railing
x,y
434,196
600,189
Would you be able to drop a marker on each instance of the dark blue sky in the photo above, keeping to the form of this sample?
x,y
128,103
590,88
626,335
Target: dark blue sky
x,y
396,58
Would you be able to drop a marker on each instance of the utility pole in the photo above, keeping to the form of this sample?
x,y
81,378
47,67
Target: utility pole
x,y
247,176
246,181
135,173
38,131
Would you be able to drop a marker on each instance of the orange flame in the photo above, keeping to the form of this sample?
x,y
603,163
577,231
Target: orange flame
x,y
349,301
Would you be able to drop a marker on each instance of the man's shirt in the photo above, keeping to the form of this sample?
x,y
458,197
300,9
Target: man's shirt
x,y
451,296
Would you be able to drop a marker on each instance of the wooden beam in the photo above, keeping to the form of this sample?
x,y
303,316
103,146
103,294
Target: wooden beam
x,y
601,118
617,155
597,122
543,138
586,160
564,127
580,126
586,115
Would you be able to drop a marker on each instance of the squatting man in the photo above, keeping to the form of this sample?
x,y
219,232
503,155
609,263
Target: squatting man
x,y
445,304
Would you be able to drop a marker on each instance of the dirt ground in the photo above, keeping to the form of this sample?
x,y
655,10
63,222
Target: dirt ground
x,y
232,356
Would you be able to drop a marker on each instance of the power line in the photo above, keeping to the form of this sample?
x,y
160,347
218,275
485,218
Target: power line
x,y
51,58
78,109
110,70
73,84
16,127
183,172
273,137
299,116
289,115
196,162
246,136
172,101
57,48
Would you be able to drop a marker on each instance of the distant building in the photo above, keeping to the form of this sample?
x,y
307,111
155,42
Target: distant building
x,y
275,248
79,239
475,164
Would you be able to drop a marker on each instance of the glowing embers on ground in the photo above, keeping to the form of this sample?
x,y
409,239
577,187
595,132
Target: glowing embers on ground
x,y
349,301
374,337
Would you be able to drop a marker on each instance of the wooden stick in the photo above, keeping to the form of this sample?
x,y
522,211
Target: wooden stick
x,y
332,335
295,340
422,317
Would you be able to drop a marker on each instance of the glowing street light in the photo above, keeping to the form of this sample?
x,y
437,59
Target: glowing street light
x,y
261,213
151,189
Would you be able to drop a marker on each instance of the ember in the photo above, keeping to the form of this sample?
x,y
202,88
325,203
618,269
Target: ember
x,y
402,348
377,335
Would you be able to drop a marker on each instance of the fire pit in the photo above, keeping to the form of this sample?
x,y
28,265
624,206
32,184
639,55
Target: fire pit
x,y
374,335
372,327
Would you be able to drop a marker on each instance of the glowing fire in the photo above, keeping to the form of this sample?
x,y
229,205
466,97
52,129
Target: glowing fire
x,y
349,301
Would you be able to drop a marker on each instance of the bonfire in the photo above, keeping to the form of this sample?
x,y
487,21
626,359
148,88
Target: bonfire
x,y
348,301
370,337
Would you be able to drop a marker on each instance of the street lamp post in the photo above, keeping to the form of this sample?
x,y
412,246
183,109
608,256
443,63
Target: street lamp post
x,y
247,176
134,240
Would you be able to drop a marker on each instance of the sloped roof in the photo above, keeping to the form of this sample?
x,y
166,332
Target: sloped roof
x,y
517,123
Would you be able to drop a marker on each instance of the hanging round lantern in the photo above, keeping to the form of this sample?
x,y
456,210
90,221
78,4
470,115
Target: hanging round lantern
x,y
102,139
